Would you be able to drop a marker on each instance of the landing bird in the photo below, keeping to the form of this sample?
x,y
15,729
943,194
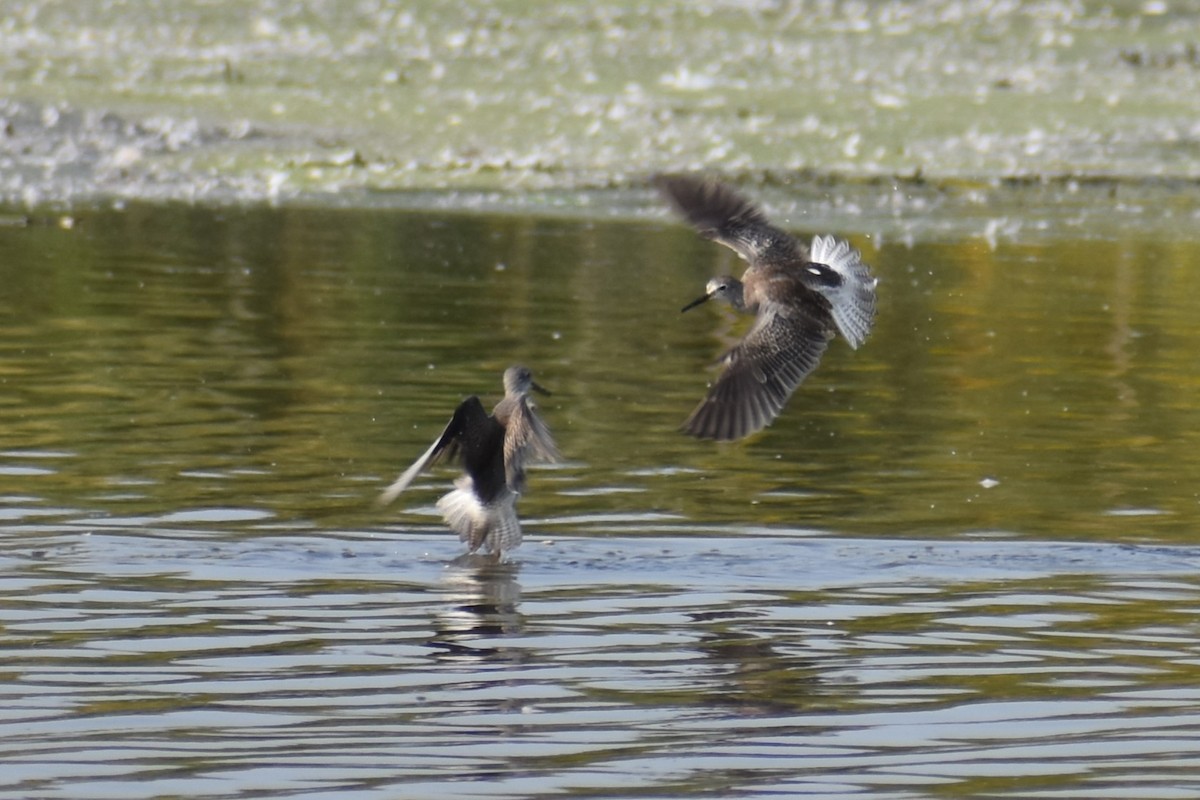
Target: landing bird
x,y
493,451
800,297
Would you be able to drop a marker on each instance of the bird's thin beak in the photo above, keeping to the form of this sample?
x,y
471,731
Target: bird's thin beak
x,y
540,389
701,299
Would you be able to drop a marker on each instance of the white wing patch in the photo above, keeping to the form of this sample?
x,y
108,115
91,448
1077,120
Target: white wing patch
x,y
495,525
852,304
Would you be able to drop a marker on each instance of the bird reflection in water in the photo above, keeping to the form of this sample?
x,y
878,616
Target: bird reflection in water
x,y
482,599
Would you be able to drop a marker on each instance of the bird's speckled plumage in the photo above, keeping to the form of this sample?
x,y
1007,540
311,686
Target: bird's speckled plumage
x,y
494,450
800,297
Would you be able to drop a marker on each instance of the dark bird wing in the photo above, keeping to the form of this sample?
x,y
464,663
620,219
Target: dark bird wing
x,y
761,373
721,214
471,436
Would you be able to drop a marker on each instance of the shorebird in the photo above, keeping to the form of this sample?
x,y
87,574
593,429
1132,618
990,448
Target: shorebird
x,y
800,297
493,450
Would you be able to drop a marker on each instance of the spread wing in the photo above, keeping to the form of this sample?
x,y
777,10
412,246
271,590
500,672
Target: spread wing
x,y
852,298
465,435
760,375
721,214
526,439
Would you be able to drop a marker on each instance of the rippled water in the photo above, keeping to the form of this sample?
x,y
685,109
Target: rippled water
x,y
962,563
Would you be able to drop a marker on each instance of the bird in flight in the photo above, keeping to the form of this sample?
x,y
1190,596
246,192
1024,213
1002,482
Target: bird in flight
x,y
800,296
493,450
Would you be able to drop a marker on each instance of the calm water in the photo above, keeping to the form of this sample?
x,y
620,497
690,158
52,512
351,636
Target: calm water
x,y
963,563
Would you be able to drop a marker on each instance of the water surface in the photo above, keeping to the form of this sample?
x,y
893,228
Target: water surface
x,y
962,562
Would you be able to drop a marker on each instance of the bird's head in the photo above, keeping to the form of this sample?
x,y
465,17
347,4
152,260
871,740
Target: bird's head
x,y
724,287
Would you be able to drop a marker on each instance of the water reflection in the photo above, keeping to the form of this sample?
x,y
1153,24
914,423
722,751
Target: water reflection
x,y
482,598
286,360
755,678
963,562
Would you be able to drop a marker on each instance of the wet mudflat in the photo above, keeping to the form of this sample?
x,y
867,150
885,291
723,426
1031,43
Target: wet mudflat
x,y
962,562
218,99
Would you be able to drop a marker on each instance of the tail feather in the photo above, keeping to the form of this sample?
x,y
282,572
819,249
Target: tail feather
x,y
505,531
494,525
852,301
